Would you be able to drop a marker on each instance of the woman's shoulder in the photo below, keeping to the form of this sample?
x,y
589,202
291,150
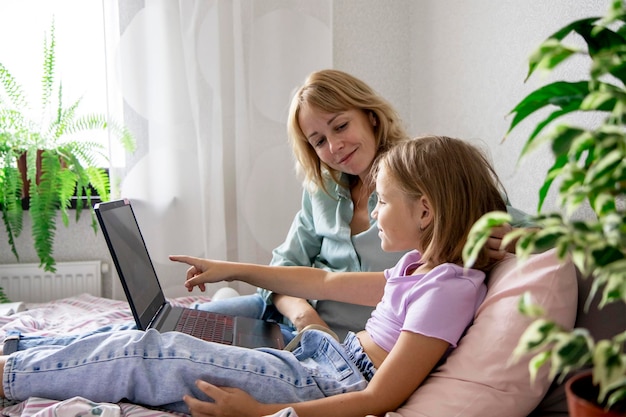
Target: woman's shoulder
x,y
332,190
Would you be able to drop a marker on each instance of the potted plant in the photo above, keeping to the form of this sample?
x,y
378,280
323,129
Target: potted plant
x,y
589,167
56,164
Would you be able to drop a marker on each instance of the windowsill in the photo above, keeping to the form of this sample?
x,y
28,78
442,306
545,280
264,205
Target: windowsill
x,y
73,204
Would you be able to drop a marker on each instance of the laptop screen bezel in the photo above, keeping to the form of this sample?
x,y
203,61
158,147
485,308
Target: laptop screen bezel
x,y
143,318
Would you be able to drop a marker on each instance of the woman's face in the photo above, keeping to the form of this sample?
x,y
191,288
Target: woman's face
x,y
344,141
399,219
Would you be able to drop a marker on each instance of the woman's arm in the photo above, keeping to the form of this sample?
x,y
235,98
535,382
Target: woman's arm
x,y
408,364
365,288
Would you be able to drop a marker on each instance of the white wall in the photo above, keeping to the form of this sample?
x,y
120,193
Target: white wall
x,y
457,67
474,75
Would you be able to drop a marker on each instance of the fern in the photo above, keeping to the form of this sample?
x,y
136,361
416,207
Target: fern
x,y
49,61
14,92
68,162
3,297
65,191
10,194
99,179
43,205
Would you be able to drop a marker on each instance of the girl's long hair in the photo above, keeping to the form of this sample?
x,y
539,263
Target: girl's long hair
x,y
458,181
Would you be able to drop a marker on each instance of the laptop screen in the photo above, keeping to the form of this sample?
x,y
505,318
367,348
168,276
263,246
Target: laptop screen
x,y
131,258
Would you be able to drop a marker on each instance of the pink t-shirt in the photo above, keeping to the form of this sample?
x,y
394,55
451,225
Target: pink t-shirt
x,y
440,303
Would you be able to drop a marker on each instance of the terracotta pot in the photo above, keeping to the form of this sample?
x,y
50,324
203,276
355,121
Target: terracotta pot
x,y
581,398
21,165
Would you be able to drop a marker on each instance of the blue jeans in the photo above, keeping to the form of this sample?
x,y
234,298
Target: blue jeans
x,y
26,341
157,369
252,306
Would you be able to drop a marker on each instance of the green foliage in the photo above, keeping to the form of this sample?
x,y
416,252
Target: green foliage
x,y
3,297
589,167
68,165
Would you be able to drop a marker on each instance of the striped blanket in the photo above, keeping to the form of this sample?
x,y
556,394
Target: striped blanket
x,y
75,315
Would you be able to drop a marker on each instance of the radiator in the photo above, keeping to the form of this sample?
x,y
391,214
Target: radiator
x,y
29,283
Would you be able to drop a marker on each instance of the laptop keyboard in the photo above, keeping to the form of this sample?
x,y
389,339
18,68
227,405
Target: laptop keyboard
x,y
206,326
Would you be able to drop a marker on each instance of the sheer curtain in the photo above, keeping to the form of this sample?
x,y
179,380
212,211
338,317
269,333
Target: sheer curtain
x,y
205,86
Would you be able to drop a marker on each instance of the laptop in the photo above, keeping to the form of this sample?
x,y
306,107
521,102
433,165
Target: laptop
x,y
147,300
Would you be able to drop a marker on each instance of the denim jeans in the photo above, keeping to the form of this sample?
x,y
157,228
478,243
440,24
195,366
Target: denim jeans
x,y
25,341
252,306
157,369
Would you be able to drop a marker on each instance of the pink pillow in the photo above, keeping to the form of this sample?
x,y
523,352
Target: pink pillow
x,y
478,379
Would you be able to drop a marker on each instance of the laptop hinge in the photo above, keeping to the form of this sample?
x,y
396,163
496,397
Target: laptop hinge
x,y
160,317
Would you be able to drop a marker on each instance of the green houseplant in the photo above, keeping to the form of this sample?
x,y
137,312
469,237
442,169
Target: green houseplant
x,y
589,167
56,164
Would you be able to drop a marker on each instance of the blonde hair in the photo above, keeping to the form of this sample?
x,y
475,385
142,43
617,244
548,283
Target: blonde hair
x,y
458,181
335,91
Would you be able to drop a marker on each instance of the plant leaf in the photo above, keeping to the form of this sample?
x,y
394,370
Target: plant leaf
x,y
563,94
558,36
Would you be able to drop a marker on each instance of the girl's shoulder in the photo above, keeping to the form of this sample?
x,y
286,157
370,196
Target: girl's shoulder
x,y
411,261
407,262
454,272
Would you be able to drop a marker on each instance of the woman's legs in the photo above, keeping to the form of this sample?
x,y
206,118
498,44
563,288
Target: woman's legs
x,y
158,369
252,306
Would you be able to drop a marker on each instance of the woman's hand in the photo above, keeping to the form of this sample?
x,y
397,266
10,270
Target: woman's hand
x,y
494,243
202,271
227,402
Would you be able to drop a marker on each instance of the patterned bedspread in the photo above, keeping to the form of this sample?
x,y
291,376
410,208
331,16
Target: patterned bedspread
x,y
75,315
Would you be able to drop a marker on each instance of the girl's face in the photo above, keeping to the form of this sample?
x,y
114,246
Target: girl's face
x,y
344,141
400,220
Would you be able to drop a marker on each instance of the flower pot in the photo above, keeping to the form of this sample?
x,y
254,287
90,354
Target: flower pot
x,y
582,398
21,164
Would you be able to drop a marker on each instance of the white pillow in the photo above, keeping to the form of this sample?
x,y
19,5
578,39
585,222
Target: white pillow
x,y
478,378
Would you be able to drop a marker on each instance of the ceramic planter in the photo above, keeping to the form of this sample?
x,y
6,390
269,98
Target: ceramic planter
x,y
581,398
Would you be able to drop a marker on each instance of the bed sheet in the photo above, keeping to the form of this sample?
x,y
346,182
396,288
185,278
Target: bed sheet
x,y
75,316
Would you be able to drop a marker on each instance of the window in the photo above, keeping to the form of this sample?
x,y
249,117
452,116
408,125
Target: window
x,y
80,51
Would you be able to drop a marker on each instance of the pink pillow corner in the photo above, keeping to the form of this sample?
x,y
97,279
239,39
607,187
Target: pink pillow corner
x,y
478,378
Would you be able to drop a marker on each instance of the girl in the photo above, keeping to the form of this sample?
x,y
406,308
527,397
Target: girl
x,y
430,192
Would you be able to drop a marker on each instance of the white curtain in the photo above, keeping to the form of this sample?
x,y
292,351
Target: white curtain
x,y
205,86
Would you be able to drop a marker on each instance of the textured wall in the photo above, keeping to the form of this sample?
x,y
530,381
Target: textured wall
x,y
457,67
474,72
372,39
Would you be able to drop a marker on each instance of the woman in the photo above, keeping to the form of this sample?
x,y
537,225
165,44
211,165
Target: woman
x,y
337,126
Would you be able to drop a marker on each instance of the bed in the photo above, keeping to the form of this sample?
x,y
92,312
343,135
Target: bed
x,y
477,380
75,316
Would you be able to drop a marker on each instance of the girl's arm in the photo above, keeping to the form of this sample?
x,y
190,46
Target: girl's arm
x,y
408,364
365,288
